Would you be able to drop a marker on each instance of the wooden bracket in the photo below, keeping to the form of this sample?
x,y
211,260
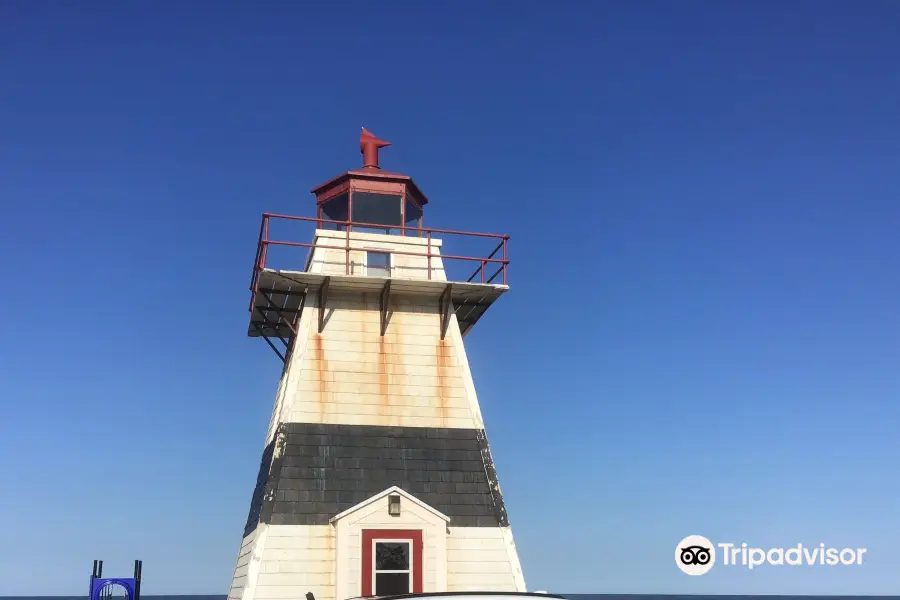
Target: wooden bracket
x,y
445,307
268,341
385,306
323,299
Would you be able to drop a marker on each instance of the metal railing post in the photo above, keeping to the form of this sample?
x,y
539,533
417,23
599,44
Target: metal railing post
x,y
265,251
347,254
505,263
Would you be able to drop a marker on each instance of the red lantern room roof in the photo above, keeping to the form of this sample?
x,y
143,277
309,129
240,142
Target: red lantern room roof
x,y
370,178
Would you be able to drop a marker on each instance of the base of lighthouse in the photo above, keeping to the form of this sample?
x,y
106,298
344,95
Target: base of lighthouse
x,y
300,544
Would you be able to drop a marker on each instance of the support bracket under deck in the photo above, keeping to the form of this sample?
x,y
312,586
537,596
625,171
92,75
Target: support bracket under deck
x,y
385,304
323,299
269,342
445,306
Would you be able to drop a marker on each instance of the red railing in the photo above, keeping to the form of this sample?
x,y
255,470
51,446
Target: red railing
x,y
262,247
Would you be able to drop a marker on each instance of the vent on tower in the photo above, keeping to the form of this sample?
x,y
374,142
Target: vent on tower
x,y
369,145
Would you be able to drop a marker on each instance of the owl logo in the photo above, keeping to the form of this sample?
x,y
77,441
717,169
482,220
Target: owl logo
x,y
695,555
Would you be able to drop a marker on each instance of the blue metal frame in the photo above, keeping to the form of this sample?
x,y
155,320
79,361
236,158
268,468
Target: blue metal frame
x,y
101,587
99,583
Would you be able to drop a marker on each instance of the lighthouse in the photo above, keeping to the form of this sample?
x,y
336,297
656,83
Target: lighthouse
x,y
376,476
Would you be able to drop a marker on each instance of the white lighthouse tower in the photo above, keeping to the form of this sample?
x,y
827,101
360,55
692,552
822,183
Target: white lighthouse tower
x,y
376,476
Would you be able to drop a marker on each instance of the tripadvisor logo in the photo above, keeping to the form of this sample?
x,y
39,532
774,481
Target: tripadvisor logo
x,y
696,555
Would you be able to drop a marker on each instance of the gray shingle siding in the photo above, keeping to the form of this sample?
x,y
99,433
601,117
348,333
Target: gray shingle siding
x,y
259,490
321,470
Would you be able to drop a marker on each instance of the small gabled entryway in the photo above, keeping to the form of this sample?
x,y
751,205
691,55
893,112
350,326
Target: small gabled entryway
x,y
392,543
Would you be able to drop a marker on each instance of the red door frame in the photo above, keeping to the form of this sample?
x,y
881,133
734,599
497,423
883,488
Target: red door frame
x,y
370,535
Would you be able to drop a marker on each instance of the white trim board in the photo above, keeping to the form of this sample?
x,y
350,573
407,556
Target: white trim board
x,y
391,490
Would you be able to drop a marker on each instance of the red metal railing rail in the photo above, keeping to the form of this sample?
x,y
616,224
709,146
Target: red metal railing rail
x,y
259,262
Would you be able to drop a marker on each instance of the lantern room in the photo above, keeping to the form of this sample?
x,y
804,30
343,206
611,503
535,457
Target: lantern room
x,y
375,201
369,237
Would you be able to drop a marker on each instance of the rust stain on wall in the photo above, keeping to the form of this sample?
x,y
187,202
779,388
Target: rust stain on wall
x,y
384,377
383,374
322,375
391,357
329,539
444,354
371,331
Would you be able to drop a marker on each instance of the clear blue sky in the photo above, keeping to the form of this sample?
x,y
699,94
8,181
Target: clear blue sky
x,y
702,333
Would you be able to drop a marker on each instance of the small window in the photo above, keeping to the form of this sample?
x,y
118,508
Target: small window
x,y
378,264
392,568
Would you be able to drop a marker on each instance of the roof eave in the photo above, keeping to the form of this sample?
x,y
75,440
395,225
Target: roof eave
x,y
373,174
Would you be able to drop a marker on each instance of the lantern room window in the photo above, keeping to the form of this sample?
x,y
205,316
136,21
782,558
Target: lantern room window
x,y
413,216
378,209
336,209
372,212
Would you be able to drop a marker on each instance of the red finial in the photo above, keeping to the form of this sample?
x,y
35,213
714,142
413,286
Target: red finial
x,y
368,147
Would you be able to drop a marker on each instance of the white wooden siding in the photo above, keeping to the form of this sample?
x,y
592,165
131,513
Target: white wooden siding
x,y
483,559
